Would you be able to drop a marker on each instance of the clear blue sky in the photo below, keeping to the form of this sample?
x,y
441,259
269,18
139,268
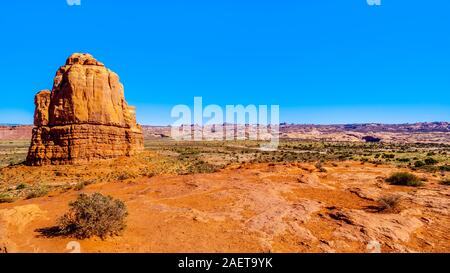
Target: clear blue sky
x,y
322,61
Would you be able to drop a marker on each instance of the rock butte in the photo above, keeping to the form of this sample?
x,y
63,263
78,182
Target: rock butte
x,y
85,117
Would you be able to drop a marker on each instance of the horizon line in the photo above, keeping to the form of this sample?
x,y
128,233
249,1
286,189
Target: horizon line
x,y
281,123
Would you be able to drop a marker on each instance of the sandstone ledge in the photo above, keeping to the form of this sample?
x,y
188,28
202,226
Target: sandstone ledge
x,y
82,143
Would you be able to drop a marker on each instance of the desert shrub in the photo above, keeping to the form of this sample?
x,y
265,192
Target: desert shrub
x,y
404,179
4,198
389,202
320,167
446,182
94,215
444,168
79,186
124,176
37,192
431,161
59,173
430,168
200,166
21,186
403,160
419,164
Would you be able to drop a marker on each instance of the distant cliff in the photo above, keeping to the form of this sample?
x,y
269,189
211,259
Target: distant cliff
x,y
15,132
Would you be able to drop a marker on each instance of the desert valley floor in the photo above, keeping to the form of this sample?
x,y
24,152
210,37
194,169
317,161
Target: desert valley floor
x,y
229,197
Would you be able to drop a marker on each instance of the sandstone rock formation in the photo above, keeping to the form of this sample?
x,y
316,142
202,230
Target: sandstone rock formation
x,y
85,116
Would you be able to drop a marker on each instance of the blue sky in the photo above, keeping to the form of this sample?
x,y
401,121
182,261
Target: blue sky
x,y
322,61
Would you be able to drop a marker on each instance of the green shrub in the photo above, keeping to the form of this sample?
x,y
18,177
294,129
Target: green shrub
x,y
429,168
419,164
431,161
21,186
388,156
444,168
403,160
4,198
404,179
94,215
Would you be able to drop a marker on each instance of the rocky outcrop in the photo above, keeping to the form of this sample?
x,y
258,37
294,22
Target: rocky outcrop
x,y
85,116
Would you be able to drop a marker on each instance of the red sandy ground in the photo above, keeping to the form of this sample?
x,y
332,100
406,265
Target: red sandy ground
x,y
251,208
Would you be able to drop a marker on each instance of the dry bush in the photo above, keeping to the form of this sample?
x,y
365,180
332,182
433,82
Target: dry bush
x,y
37,191
389,202
320,167
93,215
446,182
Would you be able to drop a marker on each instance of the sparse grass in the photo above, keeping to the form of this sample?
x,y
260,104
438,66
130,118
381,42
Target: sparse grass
x,y
200,166
13,152
93,215
81,185
404,179
37,191
190,157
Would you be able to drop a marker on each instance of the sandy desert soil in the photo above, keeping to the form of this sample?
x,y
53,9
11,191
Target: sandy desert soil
x,y
250,207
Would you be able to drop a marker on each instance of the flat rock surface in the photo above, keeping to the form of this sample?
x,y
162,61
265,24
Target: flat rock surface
x,y
250,208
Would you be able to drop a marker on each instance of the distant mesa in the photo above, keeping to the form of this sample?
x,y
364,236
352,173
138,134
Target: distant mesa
x,y
84,117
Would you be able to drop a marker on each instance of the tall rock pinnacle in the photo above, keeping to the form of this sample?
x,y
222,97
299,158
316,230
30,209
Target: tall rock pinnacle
x,y
85,116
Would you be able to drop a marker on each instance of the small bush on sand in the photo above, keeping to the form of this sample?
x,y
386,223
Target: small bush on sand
x,y
81,185
389,202
419,164
320,167
37,192
4,198
446,182
431,161
404,179
21,186
94,215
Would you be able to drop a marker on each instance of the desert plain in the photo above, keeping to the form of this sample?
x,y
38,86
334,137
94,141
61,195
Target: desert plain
x,y
311,195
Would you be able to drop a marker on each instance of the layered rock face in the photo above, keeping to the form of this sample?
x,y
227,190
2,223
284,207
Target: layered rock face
x,y
85,117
